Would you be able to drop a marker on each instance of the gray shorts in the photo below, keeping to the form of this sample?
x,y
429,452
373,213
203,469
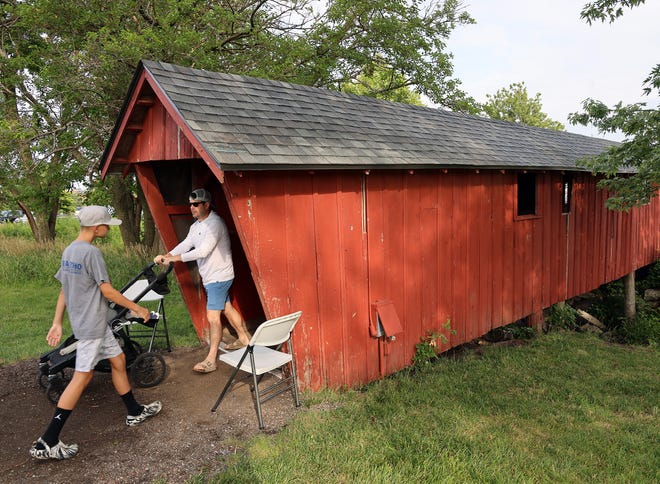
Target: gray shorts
x,y
90,351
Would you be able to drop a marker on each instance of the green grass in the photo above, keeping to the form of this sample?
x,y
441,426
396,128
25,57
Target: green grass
x,y
565,408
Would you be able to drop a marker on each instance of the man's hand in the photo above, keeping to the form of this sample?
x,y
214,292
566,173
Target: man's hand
x,y
54,335
142,313
166,259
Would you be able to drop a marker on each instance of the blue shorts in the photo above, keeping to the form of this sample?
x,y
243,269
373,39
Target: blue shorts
x,y
217,294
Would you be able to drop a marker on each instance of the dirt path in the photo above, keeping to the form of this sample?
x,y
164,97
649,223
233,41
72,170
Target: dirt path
x,y
183,440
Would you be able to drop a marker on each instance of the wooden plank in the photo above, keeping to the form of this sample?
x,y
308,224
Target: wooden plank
x,y
473,224
302,273
395,282
556,262
431,276
376,259
547,240
329,267
460,252
445,254
509,253
415,248
355,288
598,239
269,213
486,252
498,227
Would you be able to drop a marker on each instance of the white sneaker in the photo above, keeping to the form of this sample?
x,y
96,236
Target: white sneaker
x,y
59,451
148,411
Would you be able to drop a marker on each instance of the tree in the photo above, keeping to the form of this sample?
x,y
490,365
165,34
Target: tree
x,y
379,85
606,9
631,170
65,67
515,105
43,131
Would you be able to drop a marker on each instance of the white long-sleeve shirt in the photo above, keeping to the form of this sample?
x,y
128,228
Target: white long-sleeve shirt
x,y
208,243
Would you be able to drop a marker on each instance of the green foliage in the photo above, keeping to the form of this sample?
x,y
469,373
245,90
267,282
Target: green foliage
x,y
607,305
405,40
606,9
426,351
381,85
643,330
515,105
520,330
630,170
561,316
66,66
651,280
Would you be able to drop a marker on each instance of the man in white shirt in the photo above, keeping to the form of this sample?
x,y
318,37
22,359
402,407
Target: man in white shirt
x,y
208,243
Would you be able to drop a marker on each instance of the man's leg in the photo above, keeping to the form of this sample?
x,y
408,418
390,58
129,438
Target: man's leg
x,y
71,394
237,322
48,446
136,413
213,316
119,375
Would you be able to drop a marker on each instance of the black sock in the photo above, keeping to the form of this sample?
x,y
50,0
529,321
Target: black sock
x,y
52,434
132,406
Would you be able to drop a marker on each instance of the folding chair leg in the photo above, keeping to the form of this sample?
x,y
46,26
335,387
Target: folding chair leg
x,y
228,384
296,397
256,392
167,333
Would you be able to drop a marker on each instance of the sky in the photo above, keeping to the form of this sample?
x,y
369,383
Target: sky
x,y
546,45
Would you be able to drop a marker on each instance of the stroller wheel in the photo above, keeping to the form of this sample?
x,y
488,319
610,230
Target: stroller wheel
x,y
148,370
54,390
43,380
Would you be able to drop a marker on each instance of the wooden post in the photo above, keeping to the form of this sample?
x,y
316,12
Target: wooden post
x,y
535,321
629,296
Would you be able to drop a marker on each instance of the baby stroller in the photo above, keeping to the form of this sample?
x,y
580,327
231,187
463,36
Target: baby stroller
x,y
146,368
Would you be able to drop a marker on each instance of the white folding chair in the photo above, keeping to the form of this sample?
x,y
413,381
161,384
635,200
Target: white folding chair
x,y
132,292
274,332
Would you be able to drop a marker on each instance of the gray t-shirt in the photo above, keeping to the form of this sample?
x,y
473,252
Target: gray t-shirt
x,y
82,271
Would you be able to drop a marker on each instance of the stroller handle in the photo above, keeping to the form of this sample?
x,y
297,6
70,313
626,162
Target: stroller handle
x,y
158,279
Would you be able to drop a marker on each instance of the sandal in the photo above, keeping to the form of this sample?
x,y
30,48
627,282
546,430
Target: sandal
x,y
236,345
205,367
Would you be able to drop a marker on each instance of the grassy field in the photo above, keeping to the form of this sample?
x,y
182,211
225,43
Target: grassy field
x,y
567,407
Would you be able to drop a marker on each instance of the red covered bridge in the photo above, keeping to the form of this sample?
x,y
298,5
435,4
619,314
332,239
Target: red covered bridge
x,y
359,212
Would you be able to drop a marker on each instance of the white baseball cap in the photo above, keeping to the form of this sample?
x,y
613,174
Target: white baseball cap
x,y
96,215
200,195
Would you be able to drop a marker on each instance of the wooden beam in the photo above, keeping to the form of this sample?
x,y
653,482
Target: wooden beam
x,y
630,310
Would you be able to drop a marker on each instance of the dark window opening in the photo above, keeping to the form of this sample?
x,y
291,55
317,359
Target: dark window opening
x,y
526,193
566,193
174,181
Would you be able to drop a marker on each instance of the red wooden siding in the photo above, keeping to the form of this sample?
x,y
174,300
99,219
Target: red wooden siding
x,y
439,245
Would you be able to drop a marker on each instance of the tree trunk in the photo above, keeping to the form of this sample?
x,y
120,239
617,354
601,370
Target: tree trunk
x,y
124,205
629,296
149,238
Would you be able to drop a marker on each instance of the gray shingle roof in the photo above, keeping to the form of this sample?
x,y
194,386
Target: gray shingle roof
x,y
248,123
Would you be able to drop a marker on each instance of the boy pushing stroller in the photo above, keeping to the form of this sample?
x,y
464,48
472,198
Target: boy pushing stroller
x,y
85,293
